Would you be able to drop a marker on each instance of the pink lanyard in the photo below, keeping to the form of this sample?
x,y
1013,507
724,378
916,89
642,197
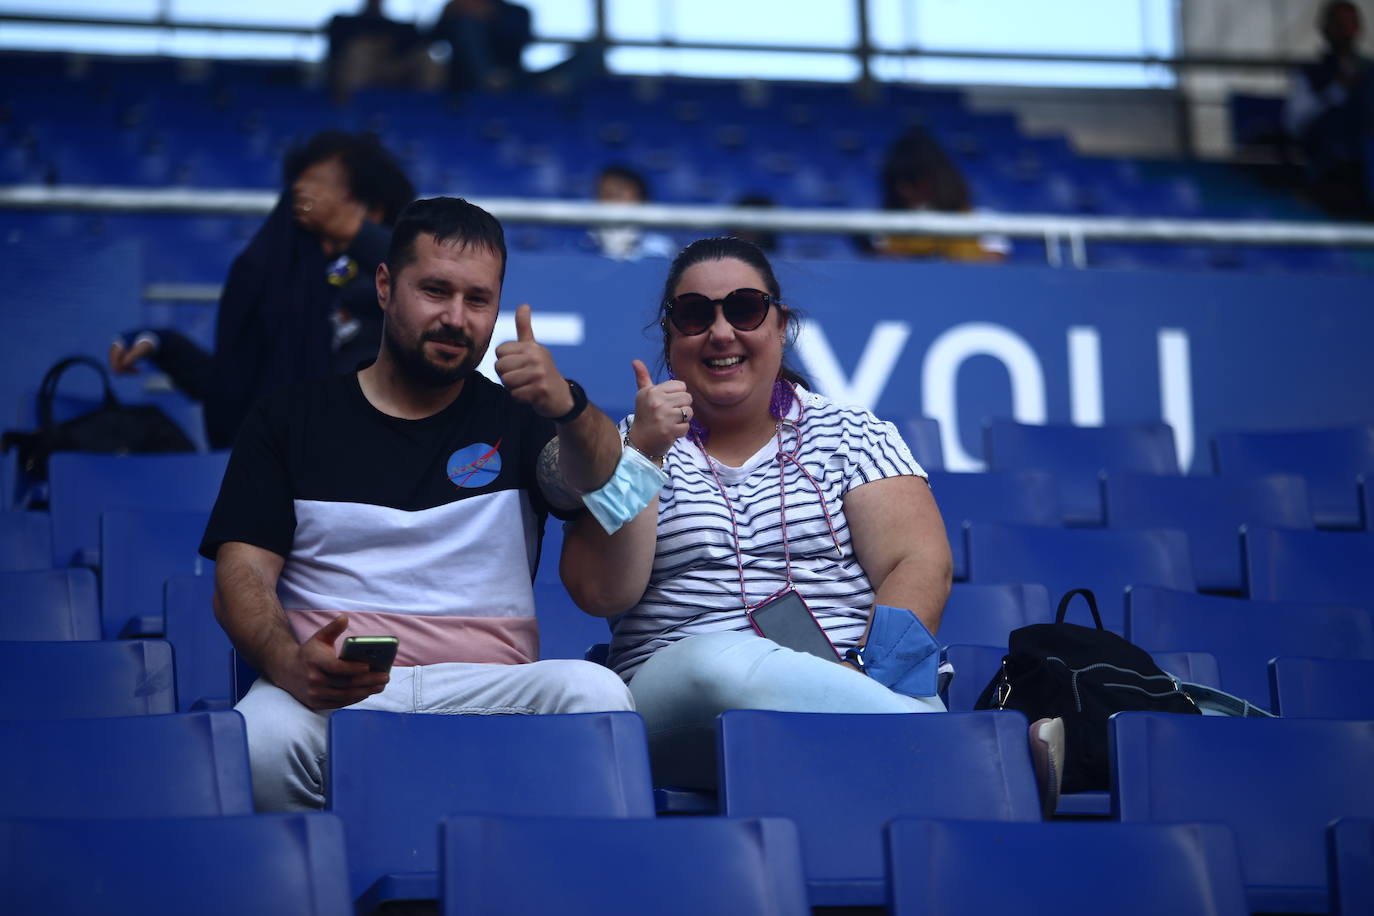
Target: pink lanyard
x,y
782,459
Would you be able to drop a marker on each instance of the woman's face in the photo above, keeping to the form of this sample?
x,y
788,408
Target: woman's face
x,y
726,369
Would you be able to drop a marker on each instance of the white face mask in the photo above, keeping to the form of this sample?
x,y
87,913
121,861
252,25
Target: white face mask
x,y
633,486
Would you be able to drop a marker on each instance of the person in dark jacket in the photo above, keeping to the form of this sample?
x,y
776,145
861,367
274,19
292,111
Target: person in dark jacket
x,y
300,300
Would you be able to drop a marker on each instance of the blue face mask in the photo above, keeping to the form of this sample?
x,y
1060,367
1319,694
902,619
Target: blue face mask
x,y
900,653
633,486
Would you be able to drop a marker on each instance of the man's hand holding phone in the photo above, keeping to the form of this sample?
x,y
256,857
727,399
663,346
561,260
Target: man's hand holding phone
x,y
320,679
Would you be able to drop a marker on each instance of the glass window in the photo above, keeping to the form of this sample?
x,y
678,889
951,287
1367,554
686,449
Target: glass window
x,y
733,64
826,23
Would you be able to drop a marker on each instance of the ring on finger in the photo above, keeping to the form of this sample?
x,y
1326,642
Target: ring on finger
x,y
685,418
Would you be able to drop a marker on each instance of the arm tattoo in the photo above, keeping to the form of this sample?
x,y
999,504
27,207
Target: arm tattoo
x,y
551,482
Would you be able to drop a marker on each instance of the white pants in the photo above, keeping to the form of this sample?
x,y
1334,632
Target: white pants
x,y
683,687
286,741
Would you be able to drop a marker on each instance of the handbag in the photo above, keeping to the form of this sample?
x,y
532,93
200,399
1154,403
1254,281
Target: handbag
x,y
1082,675
112,428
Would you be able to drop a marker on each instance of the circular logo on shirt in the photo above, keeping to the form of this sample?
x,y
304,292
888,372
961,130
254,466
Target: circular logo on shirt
x,y
475,465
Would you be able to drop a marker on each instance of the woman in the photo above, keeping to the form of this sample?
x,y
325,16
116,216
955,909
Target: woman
x,y
770,488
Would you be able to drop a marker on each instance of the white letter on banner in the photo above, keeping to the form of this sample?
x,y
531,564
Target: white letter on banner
x,y
1176,390
941,369
1085,377
870,376
557,329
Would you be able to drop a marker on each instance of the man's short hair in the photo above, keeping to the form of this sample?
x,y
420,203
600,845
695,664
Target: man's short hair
x,y
626,174
447,219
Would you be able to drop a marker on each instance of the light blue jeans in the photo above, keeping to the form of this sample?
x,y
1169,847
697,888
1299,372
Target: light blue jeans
x,y
683,687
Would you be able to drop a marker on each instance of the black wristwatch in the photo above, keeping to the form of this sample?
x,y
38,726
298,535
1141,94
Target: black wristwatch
x,y
579,403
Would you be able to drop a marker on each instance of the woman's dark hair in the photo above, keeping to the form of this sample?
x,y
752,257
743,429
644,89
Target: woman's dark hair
x,y
917,166
374,176
725,248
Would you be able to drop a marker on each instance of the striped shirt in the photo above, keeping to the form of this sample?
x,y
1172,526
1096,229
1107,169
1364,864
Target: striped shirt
x,y
694,587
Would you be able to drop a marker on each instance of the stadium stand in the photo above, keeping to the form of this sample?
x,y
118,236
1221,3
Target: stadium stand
x,y
1305,566
711,864
203,653
940,868
985,614
1331,460
57,680
1168,767
1321,688
1012,497
1350,849
139,551
176,865
49,605
25,541
393,777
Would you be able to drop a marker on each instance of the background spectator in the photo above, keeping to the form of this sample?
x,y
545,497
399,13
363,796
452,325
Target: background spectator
x,y
619,184
369,49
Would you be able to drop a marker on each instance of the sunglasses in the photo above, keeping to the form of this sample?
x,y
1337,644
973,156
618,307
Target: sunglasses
x,y
693,313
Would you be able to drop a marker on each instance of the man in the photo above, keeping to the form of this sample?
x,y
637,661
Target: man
x,y
619,184
406,499
299,302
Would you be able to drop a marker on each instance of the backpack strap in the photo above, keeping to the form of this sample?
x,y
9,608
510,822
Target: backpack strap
x,y
1087,596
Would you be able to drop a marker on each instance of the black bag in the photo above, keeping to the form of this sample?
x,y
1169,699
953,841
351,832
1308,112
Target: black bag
x,y
1083,675
112,428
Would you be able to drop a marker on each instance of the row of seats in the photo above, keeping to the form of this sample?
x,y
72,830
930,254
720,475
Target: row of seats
x,y
396,778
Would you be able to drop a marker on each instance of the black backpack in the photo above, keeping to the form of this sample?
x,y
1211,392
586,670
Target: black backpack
x,y
112,428
1083,675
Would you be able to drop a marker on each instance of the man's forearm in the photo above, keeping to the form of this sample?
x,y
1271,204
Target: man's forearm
x,y
246,606
588,450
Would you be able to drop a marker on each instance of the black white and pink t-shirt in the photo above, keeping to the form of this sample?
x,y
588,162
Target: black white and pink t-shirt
x,y
423,529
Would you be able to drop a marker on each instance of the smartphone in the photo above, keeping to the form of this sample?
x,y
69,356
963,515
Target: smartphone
x,y
378,651
789,622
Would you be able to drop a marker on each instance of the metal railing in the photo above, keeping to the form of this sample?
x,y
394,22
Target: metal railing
x,y
1054,230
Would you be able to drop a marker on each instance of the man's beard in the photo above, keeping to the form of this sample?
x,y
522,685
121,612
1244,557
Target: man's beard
x,y
418,368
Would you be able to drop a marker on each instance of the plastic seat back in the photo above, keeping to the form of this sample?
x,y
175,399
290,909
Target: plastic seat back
x,y
265,864
1350,850
565,630
66,680
169,766
1276,783
777,764
983,615
1211,511
204,660
974,667
393,776
1123,869
1076,455
1329,459
25,541
1322,688
1324,567
140,550
49,604
667,866
1013,497
84,486
922,436
1244,635
1062,559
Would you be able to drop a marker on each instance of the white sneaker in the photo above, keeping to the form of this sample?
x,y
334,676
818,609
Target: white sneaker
x,y
1047,755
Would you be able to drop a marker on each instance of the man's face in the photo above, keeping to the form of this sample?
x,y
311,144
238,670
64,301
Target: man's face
x,y
440,310
614,189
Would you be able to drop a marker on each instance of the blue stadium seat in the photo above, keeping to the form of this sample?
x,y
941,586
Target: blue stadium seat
x,y
1330,459
974,667
1326,567
392,778
1211,511
965,765
565,630
941,868
266,864
68,680
49,605
140,549
687,866
1350,849
1244,635
177,765
922,436
1010,497
983,615
200,646
84,486
1061,559
1193,667
1076,455
25,541
1276,783
1322,688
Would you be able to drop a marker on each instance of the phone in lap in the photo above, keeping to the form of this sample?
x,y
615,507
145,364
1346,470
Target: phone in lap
x,y
378,651
789,622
